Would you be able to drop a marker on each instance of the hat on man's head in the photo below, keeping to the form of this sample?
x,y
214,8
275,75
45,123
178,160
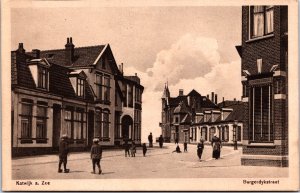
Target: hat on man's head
x,y
95,140
215,135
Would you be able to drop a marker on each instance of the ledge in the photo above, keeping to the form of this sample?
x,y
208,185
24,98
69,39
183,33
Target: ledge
x,y
260,38
271,145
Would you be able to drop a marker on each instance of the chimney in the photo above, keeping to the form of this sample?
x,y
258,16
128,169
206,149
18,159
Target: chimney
x,y
234,99
180,92
69,51
216,99
207,96
223,102
36,53
121,68
212,97
135,74
20,48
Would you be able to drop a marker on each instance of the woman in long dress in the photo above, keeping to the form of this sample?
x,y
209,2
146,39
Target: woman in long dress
x,y
216,145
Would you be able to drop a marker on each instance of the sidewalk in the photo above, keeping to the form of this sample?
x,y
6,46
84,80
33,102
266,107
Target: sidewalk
x,y
158,163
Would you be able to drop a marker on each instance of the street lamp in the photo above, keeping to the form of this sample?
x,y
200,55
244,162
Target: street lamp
x,y
234,135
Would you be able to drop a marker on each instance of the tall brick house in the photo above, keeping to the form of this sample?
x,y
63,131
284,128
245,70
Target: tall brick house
x,y
264,70
79,92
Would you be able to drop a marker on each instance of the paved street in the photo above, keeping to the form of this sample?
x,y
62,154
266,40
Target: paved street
x,y
159,163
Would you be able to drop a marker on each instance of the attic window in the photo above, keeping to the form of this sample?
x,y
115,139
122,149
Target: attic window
x,y
80,87
43,77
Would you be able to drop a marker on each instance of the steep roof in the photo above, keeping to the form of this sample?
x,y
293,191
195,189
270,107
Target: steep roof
x,y
237,113
83,56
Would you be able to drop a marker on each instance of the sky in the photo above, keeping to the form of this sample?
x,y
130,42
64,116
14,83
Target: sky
x,y
188,47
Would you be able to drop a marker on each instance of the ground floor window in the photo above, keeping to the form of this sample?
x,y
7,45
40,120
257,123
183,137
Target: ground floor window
x,y
239,133
41,121
26,119
212,131
260,114
102,123
204,133
224,133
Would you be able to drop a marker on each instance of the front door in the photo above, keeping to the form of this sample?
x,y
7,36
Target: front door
x,y
56,126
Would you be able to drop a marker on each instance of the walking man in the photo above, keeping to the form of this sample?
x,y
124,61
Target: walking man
x,y
150,139
63,154
161,141
96,155
200,148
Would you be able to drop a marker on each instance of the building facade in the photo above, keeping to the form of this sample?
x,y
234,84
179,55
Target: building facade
x,y
264,54
190,117
79,92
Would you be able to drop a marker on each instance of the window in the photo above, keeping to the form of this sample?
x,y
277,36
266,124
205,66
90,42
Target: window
x,y
42,77
98,123
176,119
212,131
124,91
105,124
138,95
204,133
41,120
130,95
26,119
245,90
239,133
80,87
69,123
260,114
262,22
103,87
78,124
106,88
279,86
117,126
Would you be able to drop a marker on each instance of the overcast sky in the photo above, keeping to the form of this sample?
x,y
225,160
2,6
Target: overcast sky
x,y
190,47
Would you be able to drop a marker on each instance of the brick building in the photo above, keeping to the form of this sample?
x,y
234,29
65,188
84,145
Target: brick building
x,y
188,117
79,92
264,54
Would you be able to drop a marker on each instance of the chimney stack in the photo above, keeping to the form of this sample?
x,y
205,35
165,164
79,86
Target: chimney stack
x,y
216,99
212,97
180,92
20,48
69,51
207,96
121,68
36,53
234,99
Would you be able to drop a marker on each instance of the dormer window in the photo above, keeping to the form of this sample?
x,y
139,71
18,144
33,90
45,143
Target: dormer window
x,y
262,22
42,77
80,87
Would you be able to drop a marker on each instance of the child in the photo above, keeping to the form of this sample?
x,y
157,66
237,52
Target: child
x,y
177,150
133,149
63,154
144,149
185,146
96,155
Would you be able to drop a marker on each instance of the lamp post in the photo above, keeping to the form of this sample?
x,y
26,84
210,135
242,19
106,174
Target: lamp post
x,y
234,135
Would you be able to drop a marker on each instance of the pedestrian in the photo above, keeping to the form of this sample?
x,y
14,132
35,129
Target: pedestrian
x,y
177,150
200,148
126,146
216,145
185,146
161,141
96,155
133,149
150,139
144,149
63,154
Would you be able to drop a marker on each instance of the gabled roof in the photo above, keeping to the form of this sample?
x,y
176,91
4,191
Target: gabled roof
x,y
194,93
237,113
83,56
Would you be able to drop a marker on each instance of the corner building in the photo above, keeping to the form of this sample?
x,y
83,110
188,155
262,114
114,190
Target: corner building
x,y
77,91
264,70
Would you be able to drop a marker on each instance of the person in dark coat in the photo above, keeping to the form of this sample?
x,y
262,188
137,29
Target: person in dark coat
x,y
63,154
161,141
96,155
216,145
126,146
150,139
144,149
177,150
185,146
133,149
200,148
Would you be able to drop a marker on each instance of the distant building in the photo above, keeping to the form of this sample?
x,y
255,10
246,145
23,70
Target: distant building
x,y
79,92
188,117
264,70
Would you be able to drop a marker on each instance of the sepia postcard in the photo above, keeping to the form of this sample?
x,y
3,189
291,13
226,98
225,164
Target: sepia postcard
x,y
150,95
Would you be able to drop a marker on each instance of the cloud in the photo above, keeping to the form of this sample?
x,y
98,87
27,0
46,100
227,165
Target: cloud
x,y
193,62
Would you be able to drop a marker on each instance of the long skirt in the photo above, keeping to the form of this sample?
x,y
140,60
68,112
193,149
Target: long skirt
x,y
216,154
199,153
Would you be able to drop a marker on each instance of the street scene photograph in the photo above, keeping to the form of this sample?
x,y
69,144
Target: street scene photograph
x,y
150,92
